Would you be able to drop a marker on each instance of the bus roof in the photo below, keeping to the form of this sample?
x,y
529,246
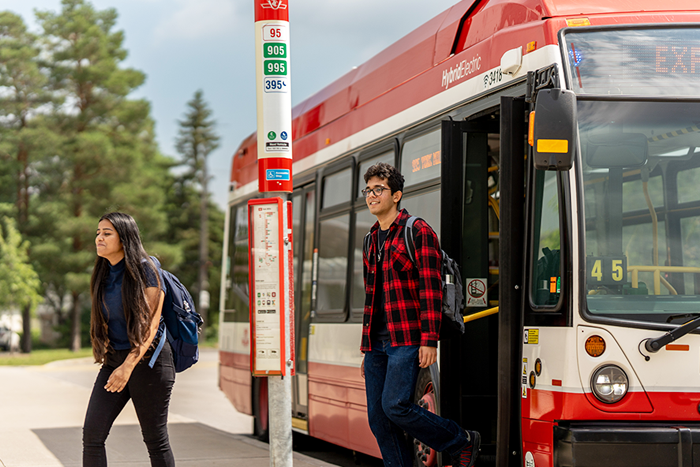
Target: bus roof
x,y
505,23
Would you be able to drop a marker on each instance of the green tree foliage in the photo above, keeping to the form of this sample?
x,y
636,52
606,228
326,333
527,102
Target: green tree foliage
x,y
196,140
106,159
23,134
24,86
19,283
74,145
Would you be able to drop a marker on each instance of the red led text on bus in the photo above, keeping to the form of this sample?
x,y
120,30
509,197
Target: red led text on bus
x,y
425,162
677,59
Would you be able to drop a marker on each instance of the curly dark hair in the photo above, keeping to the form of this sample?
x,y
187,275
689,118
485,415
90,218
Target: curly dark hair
x,y
387,172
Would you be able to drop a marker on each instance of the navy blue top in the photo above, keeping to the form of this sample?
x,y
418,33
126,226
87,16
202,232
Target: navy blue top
x,y
112,308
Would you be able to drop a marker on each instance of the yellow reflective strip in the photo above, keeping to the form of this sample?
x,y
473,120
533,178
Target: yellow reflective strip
x,y
553,145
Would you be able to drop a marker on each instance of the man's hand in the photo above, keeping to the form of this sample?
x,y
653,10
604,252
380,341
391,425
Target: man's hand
x,y
362,367
426,356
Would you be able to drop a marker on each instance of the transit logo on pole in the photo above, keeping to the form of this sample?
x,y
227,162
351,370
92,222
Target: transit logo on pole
x,y
274,98
275,5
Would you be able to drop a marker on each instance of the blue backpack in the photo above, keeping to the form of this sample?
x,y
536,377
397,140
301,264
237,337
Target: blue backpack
x,y
182,322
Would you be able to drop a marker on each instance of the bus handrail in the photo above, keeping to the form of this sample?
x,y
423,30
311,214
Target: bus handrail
x,y
658,280
481,314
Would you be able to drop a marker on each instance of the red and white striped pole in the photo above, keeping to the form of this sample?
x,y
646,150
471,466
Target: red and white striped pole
x,y
274,105
274,97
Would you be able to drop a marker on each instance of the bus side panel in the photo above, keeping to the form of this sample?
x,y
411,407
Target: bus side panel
x,y
337,401
235,378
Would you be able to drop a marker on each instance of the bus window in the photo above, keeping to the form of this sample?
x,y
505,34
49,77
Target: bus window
x,y
420,158
688,182
236,299
363,222
424,206
545,287
336,188
332,266
297,209
387,157
690,237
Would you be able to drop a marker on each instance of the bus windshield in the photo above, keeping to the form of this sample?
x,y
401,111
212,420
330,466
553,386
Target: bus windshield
x,y
641,198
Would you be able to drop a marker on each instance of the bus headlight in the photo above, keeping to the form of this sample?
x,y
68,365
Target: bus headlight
x,y
609,384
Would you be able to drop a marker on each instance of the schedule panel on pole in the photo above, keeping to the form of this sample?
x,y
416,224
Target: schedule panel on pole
x,y
271,300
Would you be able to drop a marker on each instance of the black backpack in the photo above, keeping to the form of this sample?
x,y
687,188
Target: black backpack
x,y
452,287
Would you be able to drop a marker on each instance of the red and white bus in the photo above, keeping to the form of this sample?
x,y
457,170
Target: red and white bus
x,y
590,251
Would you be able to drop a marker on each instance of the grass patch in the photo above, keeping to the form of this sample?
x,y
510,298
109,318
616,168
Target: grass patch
x,y
42,356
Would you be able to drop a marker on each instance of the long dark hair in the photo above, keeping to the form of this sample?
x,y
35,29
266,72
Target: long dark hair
x,y
136,308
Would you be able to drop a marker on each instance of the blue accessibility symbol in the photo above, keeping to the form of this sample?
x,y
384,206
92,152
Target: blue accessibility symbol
x,y
283,135
277,174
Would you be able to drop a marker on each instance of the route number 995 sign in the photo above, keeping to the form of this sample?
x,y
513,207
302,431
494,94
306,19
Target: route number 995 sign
x,y
606,270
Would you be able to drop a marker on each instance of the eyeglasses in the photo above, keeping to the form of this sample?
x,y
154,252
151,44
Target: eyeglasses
x,y
376,190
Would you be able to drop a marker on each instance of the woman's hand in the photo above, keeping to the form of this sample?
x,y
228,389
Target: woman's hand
x,y
119,377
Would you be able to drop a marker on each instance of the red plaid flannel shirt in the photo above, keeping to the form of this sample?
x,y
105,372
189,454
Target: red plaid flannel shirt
x,y
412,293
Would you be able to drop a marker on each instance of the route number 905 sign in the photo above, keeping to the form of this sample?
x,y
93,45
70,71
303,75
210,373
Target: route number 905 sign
x,y
606,270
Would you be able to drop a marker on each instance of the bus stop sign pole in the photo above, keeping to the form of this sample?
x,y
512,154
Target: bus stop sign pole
x,y
274,101
274,141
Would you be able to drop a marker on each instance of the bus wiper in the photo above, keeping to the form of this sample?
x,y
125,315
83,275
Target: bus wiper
x,y
684,315
654,345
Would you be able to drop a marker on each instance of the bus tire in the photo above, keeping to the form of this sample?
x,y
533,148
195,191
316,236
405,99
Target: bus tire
x,y
425,396
261,427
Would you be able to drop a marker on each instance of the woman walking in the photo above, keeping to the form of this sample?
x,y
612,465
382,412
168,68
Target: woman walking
x,y
127,299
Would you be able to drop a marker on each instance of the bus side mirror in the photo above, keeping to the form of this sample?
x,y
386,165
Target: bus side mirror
x,y
553,134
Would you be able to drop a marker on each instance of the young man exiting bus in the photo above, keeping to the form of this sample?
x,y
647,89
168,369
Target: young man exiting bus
x,y
401,325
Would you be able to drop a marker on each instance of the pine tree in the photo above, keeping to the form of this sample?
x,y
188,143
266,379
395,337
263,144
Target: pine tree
x,y
106,159
22,131
195,142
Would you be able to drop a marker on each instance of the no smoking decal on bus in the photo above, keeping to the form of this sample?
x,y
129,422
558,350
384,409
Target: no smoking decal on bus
x,y
476,292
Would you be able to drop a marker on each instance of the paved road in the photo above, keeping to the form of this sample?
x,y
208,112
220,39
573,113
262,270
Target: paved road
x,y
42,410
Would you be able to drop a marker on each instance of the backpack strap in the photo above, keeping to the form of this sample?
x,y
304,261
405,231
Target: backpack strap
x,y
366,242
152,361
408,238
159,348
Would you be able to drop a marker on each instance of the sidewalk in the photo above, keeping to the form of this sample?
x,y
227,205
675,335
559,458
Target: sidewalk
x,y
42,410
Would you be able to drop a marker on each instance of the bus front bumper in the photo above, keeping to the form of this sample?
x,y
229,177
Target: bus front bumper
x,y
629,445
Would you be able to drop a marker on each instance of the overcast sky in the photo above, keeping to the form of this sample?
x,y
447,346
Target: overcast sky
x,y
186,45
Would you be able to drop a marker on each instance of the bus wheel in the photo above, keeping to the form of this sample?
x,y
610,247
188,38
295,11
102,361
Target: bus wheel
x,y
260,412
425,397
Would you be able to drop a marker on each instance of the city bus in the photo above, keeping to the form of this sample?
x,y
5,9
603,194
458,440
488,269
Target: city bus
x,y
554,146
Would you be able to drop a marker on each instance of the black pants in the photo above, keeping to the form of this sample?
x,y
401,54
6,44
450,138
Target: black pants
x,y
149,389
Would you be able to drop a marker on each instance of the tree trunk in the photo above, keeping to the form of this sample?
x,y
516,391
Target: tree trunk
x,y
23,188
203,281
26,329
75,323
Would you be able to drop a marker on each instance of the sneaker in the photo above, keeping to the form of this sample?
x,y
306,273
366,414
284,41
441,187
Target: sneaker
x,y
467,457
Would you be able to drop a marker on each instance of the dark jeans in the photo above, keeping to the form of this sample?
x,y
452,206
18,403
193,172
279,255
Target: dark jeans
x,y
149,389
390,380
